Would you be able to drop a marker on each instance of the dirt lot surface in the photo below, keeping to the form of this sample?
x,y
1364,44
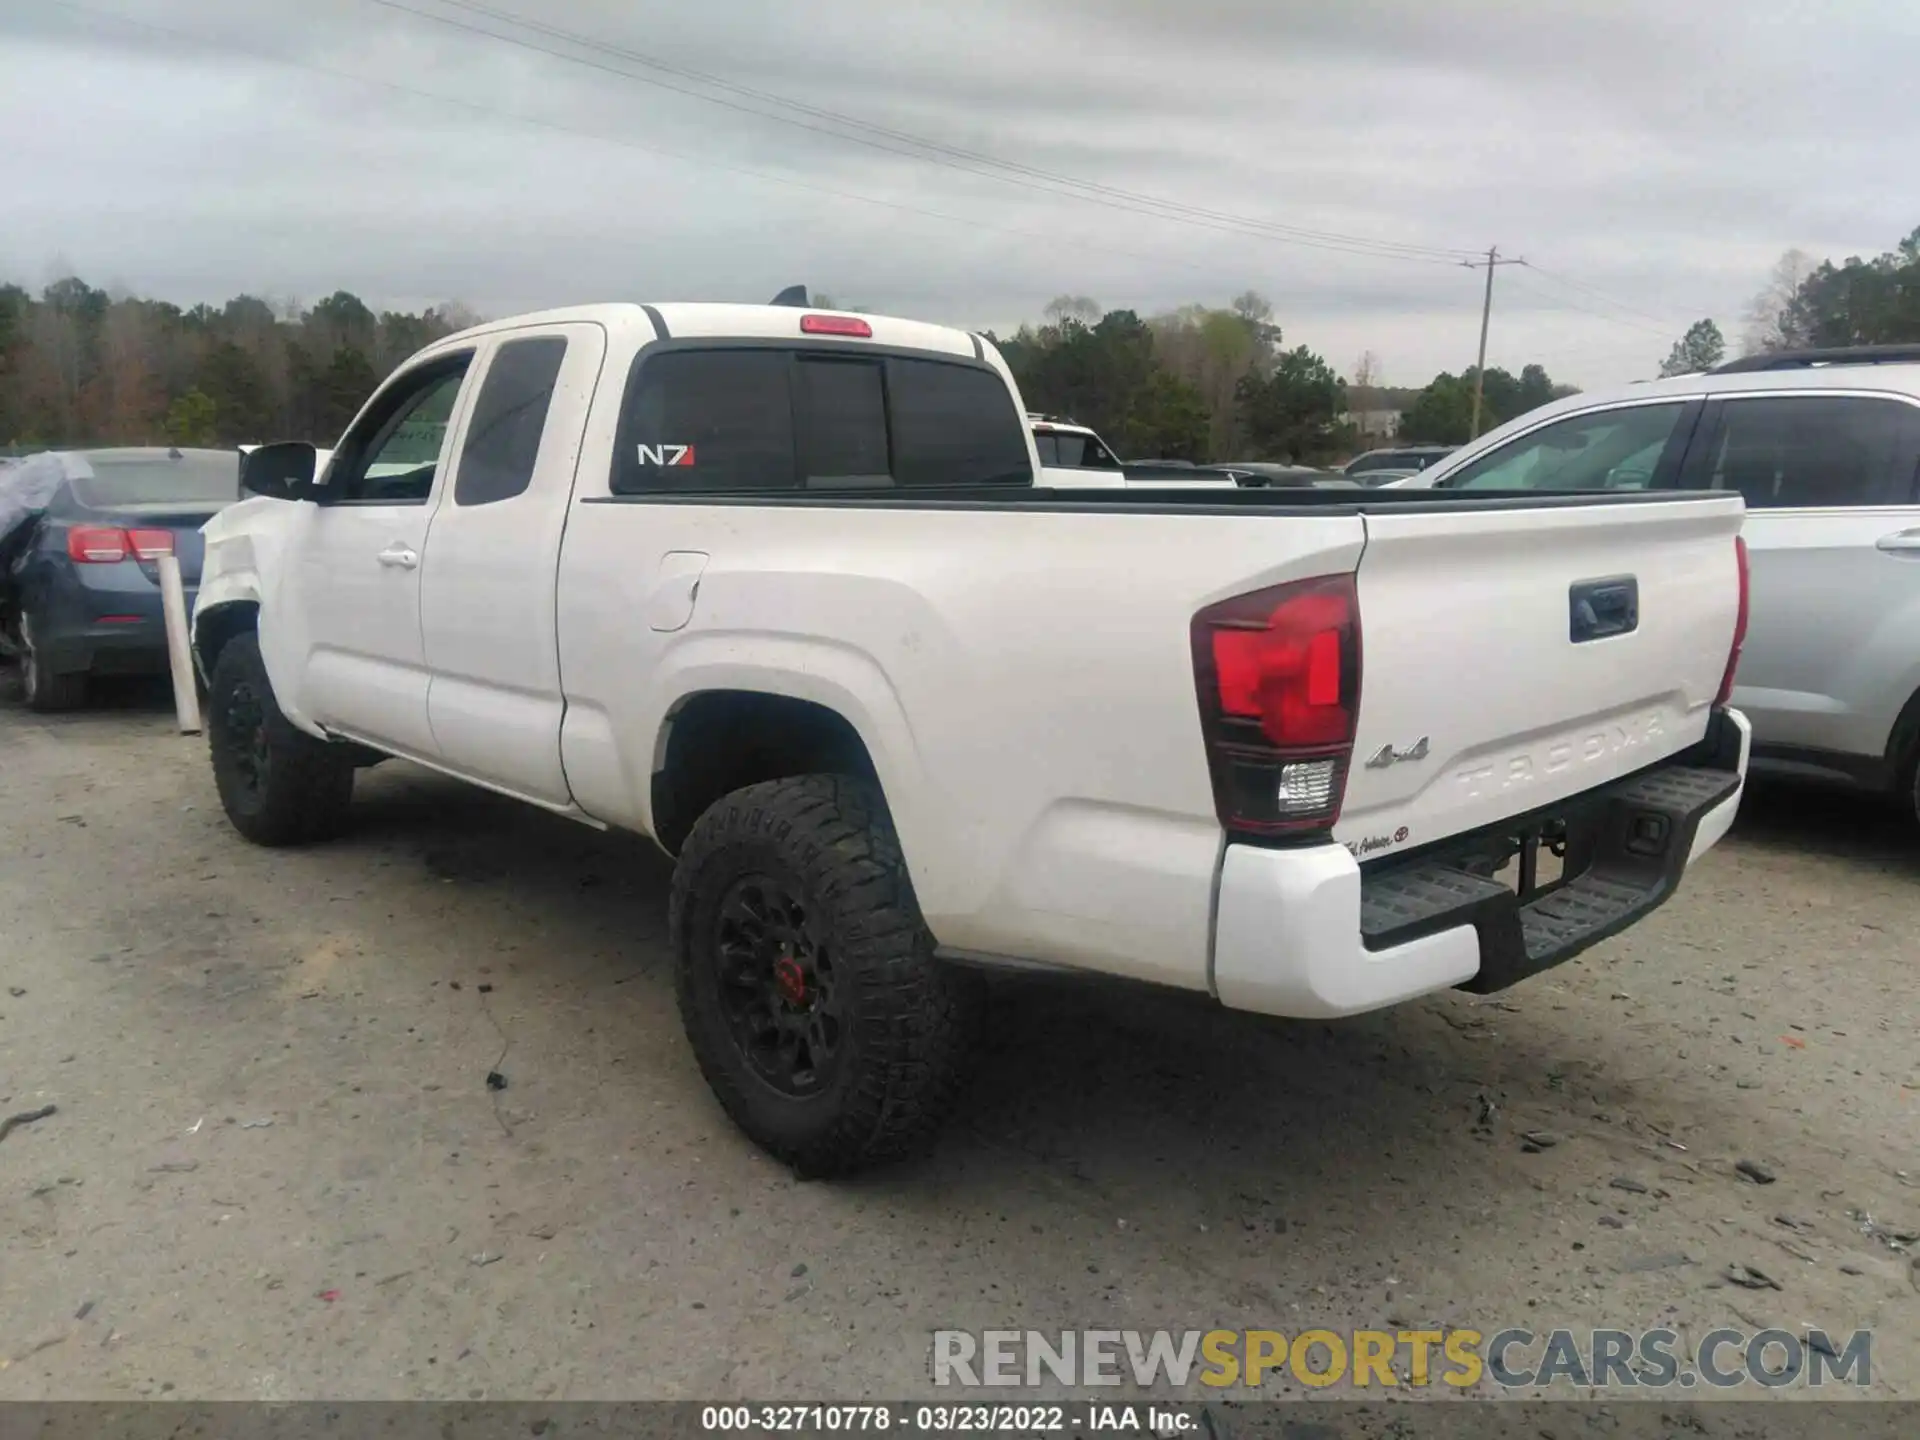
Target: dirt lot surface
x,y
276,1170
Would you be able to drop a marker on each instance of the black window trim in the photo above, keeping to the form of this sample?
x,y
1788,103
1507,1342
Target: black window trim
x,y
1707,437
1666,470
794,347
433,367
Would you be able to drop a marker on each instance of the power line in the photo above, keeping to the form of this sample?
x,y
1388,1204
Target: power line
x,y
1558,302
899,137
1604,297
552,125
824,122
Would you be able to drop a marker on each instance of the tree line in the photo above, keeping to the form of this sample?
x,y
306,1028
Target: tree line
x,y
1807,305
1206,384
81,367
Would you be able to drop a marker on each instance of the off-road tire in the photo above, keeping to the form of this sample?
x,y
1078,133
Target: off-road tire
x,y
278,784
43,690
910,1020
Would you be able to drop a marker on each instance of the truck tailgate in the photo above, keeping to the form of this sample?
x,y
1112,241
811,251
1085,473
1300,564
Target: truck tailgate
x,y
1511,657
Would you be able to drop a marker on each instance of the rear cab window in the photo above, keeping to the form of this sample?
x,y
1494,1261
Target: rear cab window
x,y
730,418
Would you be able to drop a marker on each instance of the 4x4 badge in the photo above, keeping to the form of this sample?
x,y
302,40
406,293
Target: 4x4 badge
x,y
1387,756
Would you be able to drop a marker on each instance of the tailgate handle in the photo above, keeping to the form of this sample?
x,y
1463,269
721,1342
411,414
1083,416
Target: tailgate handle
x,y
1599,608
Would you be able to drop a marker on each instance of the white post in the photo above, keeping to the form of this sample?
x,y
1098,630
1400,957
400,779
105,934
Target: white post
x,y
173,600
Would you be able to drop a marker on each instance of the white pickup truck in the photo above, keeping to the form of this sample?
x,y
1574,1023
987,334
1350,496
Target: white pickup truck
x,y
777,589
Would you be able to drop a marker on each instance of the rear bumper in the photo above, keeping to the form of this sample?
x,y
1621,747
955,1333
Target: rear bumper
x,y
1315,934
105,633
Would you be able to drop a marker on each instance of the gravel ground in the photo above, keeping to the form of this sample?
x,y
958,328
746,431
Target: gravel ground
x,y
276,1171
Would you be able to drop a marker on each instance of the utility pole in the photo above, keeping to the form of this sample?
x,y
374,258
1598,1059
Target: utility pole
x,y
1493,259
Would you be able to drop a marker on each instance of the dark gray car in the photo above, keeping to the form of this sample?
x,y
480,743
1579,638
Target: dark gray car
x,y
1402,460
79,576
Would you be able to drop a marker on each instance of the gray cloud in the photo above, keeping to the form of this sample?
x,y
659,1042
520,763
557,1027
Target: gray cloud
x,y
1653,159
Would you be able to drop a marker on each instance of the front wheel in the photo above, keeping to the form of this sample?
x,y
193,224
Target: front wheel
x,y
807,981
278,784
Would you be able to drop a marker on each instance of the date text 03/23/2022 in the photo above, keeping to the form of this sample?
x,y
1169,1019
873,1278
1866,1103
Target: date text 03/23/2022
x,y
960,1419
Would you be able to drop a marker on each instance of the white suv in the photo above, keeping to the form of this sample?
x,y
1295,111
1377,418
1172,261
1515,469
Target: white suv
x,y
1072,456
1825,446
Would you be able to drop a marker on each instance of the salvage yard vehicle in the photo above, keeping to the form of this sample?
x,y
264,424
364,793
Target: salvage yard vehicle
x,y
1071,454
1376,466
79,576
1824,446
777,589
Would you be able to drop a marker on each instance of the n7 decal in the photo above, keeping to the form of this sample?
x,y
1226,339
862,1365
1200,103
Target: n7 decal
x,y
666,454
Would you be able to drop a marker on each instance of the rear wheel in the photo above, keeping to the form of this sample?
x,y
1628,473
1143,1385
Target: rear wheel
x,y
42,688
278,784
807,981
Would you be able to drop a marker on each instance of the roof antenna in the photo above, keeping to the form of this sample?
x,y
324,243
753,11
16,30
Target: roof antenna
x,y
794,297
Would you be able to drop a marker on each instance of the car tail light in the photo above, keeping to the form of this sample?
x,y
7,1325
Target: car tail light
x,y
97,545
150,544
109,545
1739,623
1278,673
836,325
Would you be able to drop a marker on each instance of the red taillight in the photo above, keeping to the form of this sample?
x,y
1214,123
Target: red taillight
x,y
1739,624
1279,679
109,545
150,544
836,325
97,545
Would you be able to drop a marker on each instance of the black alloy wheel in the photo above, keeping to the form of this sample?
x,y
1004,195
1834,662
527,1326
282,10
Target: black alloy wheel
x,y
778,987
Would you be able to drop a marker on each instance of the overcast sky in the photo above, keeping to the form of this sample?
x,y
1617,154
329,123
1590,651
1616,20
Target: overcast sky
x,y
1652,158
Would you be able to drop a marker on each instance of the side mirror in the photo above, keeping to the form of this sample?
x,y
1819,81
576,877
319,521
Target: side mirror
x,y
282,471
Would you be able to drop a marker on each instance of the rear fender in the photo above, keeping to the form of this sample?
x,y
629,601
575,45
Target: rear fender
x,y
842,679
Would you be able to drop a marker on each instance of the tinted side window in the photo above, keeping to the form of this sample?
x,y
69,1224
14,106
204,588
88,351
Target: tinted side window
x,y
1049,447
390,455
955,425
843,422
1601,450
509,417
707,420
1784,451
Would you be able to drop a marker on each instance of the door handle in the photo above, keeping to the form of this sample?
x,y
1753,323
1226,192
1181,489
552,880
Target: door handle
x,y
1599,608
1901,542
398,556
